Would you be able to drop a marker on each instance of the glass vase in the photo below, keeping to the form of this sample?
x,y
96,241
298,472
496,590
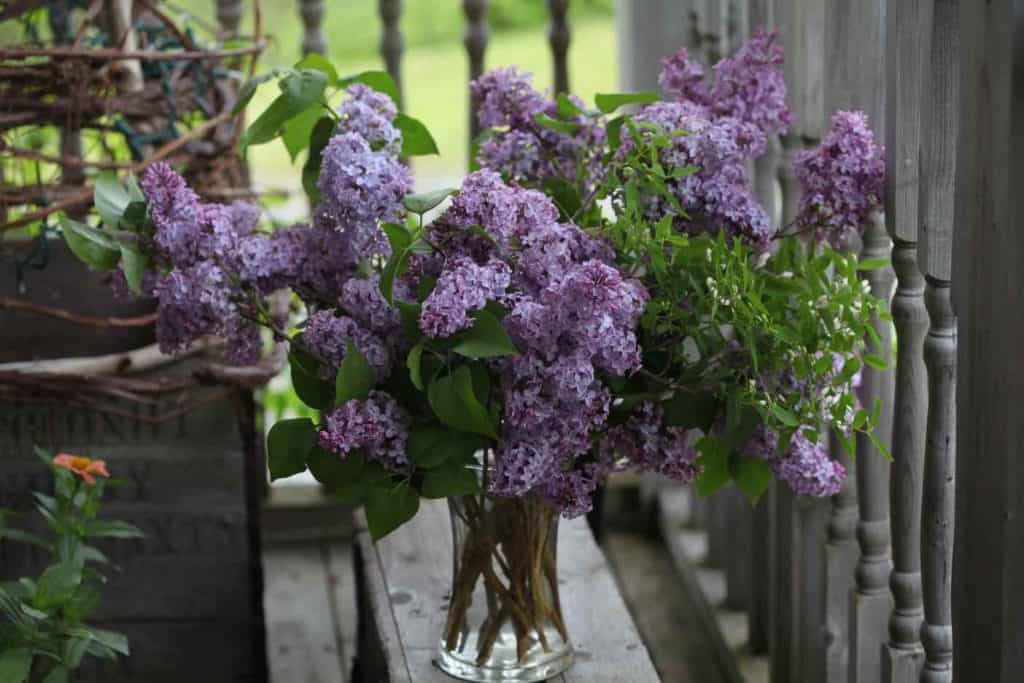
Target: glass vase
x,y
504,618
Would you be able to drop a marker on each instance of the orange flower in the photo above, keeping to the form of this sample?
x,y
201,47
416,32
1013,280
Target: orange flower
x,y
82,466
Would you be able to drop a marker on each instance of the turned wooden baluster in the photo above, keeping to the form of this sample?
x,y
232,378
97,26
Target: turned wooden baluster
x,y
312,12
392,44
229,16
475,40
558,37
907,34
936,207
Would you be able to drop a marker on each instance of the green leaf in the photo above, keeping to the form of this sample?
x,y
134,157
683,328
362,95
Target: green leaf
x,y
691,410
57,584
486,339
108,639
266,126
452,478
315,392
248,89
96,249
752,476
430,446
425,201
785,416
58,674
318,139
453,401
15,665
288,444
876,362
318,62
302,88
389,508
873,264
299,129
113,529
355,377
110,198
555,124
134,265
714,460
413,363
398,236
416,137
609,102
378,80
331,469
566,107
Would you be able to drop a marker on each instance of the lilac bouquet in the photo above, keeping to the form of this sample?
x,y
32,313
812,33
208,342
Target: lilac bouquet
x,y
606,293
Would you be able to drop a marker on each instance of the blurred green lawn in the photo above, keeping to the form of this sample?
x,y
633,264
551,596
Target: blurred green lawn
x,y
436,90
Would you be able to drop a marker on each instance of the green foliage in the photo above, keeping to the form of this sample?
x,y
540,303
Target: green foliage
x,y
455,403
486,339
355,377
609,102
288,444
389,508
43,629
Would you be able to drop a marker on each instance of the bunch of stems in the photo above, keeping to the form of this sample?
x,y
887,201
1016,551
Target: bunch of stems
x,y
509,546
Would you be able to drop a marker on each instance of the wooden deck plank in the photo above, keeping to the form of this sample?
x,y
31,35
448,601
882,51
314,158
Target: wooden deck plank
x,y
342,584
301,640
410,571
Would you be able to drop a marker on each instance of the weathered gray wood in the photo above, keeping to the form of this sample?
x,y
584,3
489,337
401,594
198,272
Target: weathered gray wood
x,y
717,525
312,13
814,515
301,639
988,296
840,560
342,591
558,37
759,614
738,562
392,43
475,39
229,16
801,25
871,603
786,586
940,125
738,24
412,567
908,31
647,31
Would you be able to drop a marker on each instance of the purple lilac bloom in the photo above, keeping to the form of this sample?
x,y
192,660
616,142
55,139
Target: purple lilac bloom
x,y
763,444
647,443
682,78
842,180
718,195
370,114
808,469
327,337
176,213
361,298
505,97
360,186
462,288
378,426
750,85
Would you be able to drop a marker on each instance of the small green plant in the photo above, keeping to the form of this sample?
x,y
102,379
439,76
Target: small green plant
x,y
43,634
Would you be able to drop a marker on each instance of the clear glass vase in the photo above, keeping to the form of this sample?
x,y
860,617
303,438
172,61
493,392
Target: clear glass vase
x,y
504,619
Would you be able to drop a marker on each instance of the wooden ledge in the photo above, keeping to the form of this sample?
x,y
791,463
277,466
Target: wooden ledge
x,y
401,583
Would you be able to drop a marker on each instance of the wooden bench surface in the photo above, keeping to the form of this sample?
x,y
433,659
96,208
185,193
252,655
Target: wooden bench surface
x,y
402,582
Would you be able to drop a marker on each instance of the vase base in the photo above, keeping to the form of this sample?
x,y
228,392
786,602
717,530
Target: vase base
x,y
505,666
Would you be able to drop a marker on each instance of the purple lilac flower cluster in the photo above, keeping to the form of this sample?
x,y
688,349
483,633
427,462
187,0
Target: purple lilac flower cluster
x,y
571,315
805,466
718,195
519,147
842,179
218,266
378,426
645,442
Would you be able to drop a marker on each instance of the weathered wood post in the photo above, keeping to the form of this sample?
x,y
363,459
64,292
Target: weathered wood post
x,y
908,32
392,43
475,39
558,38
940,125
648,30
312,13
988,297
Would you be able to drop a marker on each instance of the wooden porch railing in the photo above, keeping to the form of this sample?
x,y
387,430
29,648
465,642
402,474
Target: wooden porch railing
x,y
859,589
